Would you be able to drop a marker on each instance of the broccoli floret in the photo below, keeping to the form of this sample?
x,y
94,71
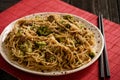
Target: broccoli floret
x,y
43,31
92,54
40,44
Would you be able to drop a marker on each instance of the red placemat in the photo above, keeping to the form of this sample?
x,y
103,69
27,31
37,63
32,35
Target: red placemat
x,y
112,33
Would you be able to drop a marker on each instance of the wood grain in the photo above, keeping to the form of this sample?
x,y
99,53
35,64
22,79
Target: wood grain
x,y
118,1
109,8
113,10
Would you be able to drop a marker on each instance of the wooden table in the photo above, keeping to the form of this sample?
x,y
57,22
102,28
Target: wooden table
x,y
109,8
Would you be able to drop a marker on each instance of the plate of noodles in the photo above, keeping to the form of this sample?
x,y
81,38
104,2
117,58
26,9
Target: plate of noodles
x,y
51,43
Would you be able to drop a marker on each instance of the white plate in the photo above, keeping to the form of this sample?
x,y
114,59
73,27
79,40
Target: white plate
x,y
98,47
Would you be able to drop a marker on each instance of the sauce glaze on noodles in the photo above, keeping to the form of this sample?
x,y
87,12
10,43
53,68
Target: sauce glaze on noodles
x,y
50,43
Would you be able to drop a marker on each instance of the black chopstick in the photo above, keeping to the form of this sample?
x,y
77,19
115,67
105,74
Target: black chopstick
x,y
101,60
106,63
103,57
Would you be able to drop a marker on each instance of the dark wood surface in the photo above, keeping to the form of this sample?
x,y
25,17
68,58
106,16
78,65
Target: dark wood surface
x,y
109,8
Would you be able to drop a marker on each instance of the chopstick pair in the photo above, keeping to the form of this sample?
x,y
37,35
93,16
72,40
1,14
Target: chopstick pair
x,y
104,70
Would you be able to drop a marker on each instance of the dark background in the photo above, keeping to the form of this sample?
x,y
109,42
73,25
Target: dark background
x,y
109,8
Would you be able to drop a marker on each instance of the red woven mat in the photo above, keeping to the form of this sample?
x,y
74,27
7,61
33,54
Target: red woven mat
x,y
112,33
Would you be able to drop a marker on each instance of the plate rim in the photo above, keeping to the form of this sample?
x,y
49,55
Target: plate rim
x,y
50,73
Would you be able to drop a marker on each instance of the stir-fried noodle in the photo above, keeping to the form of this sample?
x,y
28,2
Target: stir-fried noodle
x,y
51,43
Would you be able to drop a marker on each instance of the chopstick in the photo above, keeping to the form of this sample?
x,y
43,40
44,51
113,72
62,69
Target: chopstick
x,y
103,60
